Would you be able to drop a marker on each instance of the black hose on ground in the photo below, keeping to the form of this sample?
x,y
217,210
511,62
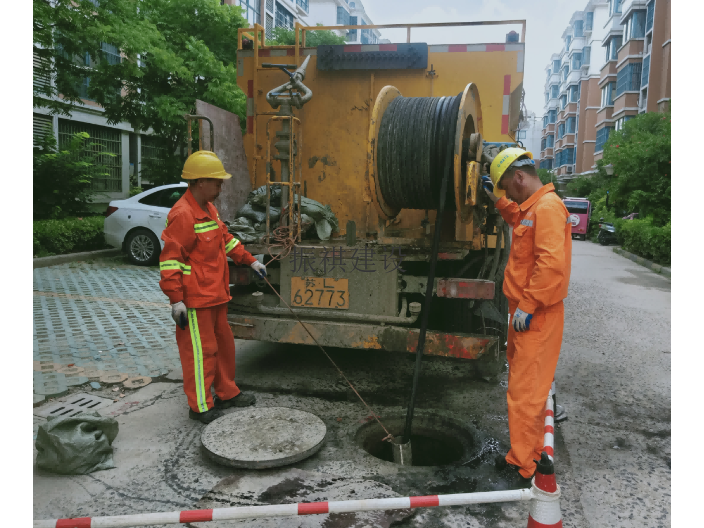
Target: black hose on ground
x,y
444,125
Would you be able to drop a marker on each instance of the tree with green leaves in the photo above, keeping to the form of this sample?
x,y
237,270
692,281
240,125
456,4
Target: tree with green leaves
x,y
62,177
287,37
171,52
546,176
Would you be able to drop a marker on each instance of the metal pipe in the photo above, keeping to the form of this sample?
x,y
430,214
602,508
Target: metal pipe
x,y
415,309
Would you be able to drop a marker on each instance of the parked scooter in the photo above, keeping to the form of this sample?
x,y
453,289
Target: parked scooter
x,y
607,232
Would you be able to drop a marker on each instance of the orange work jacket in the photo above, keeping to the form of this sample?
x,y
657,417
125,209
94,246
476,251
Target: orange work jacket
x,y
538,270
193,263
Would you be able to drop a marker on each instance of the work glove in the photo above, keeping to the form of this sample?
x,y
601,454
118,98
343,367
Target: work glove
x,y
179,314
488,187
259,268
521,320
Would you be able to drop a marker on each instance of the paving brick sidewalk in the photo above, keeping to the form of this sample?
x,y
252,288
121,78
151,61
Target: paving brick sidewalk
x,y
102,316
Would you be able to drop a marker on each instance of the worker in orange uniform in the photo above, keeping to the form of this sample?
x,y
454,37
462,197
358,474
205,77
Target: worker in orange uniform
x,y
195,277
535,284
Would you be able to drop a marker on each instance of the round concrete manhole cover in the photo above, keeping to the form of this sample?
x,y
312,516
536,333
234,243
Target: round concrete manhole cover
x,y
263,438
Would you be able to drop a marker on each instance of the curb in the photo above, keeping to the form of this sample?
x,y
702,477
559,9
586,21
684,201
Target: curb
x,y
657,268
54,260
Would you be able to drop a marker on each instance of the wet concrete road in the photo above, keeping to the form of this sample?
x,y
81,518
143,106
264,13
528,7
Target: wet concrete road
x,y
612,455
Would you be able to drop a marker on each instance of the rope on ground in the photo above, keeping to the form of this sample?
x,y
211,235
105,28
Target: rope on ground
x,y
388,436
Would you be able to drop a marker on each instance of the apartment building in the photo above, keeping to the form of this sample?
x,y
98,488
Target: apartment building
x,y
285,13
614,64
118,139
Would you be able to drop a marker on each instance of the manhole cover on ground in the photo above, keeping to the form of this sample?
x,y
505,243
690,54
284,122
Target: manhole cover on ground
x,y
263,438
74,405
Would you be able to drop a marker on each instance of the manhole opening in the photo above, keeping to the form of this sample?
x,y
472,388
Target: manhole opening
x,y
435,441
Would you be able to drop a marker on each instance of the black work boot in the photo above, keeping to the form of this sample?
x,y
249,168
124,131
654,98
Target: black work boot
x,y
205,417
241,400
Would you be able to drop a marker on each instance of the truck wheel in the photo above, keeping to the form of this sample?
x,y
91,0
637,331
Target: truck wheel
x,y
142,247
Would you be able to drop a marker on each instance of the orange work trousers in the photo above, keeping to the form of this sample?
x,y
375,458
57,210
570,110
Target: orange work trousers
x,y
532,360
207,350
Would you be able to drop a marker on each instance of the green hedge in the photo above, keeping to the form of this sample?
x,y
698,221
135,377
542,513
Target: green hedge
x,y
645,240
70,235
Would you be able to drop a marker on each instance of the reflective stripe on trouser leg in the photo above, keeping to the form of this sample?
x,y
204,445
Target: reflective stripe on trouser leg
x,y
198,367
225,386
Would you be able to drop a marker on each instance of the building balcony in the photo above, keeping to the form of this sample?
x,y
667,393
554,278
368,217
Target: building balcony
x,y
577,44
630,48
552,103
568,139
574,77
627,101
550,129
301,7
607,71
604,114
571,108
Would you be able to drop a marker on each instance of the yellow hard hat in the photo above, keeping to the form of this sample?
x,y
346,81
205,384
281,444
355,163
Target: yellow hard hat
x,y
204,164
503,161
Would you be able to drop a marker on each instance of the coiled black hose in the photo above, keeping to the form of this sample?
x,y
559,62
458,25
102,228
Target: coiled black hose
x,y
413,138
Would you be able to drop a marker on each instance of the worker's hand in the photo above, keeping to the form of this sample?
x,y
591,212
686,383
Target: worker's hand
x,y
521,320
259,268
488,187
179,314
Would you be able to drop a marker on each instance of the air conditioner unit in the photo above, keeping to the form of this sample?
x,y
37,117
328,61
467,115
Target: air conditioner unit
x,y
569,170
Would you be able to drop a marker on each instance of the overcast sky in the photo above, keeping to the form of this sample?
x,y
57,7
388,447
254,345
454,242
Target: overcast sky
x,y
545,22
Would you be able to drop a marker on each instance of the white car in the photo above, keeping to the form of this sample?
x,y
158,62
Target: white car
x,y
135,224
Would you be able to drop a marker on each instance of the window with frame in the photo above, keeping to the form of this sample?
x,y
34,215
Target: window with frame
x,y
550,141
586,55
646,72
612,46
542,144
343,17
614,7
576,61
284,18
590,21
602,137
563,102
650,13
634,26
108,140
578,28
250,10
547,97
554,91
352,33
574,93
568,41
560,131
556,64
552,116
303,4
565,71
570,125
607,94
545,121
628,78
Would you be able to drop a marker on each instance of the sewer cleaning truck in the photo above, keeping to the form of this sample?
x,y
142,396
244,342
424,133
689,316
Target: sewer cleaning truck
x,y
371,133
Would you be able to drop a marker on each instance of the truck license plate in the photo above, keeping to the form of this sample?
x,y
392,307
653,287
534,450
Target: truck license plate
x,y
315,292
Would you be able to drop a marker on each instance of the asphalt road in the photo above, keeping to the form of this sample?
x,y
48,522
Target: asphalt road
x,y
612,455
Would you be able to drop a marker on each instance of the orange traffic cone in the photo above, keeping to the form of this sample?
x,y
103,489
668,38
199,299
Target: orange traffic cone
x,y
545,506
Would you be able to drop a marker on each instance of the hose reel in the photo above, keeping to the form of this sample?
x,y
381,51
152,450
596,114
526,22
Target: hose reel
x,y
407,139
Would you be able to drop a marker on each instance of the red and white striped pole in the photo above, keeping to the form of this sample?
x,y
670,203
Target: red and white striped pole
x,y
287,510
549,429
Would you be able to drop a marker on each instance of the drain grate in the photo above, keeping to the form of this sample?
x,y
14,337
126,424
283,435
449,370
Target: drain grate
x,y
74,405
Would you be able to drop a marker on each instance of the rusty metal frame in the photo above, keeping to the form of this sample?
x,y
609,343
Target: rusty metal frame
x,y
195,117
292,184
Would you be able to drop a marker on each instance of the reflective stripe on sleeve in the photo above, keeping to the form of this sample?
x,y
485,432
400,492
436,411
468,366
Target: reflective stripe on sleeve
x,y
527,223
206,226
197,360
174,265
232,244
